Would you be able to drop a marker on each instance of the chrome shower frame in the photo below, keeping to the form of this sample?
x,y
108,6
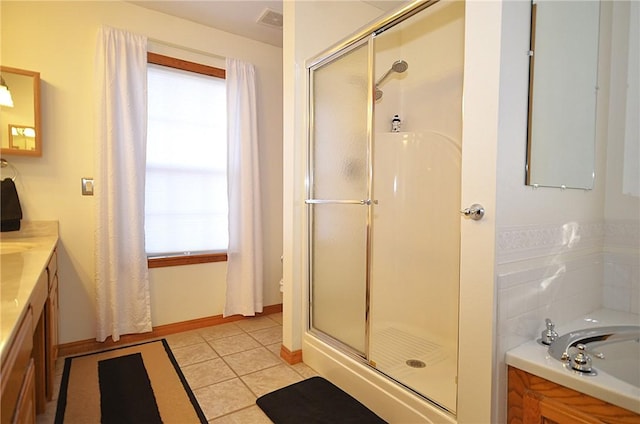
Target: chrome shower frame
x,y
366,34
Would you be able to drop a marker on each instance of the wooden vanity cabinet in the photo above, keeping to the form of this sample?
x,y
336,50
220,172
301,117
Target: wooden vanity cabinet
x,y
46,338
28,370
18,376
535,400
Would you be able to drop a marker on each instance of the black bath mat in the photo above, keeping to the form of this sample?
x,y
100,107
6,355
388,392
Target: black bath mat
x,y
315,401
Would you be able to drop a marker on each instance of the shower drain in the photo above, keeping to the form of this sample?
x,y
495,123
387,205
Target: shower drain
x,y
415,363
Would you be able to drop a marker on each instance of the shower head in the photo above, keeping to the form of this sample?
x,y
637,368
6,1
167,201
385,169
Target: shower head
x,y
398,66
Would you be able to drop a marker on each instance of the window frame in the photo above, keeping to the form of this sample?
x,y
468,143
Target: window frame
x,y
185,259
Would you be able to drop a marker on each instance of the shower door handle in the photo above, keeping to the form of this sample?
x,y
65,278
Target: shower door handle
x,y
340,202
475,212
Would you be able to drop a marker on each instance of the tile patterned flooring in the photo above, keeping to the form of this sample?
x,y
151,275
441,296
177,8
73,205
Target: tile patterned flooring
x,y
228,366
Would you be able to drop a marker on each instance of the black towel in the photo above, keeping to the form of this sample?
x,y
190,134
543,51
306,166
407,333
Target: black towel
x,y
10,210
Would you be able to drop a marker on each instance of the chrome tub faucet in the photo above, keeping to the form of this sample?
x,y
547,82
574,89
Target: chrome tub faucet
x,y
564,348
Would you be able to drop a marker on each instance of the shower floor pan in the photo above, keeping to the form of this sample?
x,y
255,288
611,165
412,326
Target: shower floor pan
x,y
418,363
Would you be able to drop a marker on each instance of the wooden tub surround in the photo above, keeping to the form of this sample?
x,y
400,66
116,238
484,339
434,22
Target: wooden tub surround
x,y
535,400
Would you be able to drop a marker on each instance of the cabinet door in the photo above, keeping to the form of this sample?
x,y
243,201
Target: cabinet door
x,y
40,358
51,337
26,406
15,367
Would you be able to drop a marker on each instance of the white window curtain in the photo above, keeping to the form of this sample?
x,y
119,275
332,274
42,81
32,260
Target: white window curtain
x,y
244,255
122,283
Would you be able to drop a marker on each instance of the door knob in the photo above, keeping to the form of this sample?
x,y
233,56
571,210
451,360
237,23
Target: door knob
x,y
475,212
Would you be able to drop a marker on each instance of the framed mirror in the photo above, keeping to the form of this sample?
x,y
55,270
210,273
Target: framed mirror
x,y
20,112
563,79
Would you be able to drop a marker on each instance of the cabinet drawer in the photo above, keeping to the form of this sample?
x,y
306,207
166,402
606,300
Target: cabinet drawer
x,y
15,367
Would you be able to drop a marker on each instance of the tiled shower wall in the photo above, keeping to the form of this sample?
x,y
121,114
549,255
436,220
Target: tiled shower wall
x,y
561,272
546,272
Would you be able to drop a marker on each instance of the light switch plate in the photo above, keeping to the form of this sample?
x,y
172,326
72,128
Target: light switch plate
x,y
87,186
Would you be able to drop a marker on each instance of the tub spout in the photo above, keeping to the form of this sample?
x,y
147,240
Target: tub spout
x,y
591,338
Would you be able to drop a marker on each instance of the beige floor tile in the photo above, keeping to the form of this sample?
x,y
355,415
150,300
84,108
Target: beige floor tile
x,y
220,331
49,414
184,339
268,335
270,379
193,354
251,415
59,366
223,398
276,317
234,344
207,373
57,382
251,360
256,323
275,348
304,370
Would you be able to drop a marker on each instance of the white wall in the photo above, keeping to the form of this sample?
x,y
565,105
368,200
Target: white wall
x,y
558,251
61,47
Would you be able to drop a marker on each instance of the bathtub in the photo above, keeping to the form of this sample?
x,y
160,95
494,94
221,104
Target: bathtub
x,y
618,374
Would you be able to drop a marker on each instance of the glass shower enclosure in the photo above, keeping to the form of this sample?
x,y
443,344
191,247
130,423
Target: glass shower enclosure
x,y
383,201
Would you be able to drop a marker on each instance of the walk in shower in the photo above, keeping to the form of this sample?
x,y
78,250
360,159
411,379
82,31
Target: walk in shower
x,y
384,197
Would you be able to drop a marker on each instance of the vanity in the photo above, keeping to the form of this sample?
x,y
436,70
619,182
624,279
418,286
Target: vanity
x,y
28,319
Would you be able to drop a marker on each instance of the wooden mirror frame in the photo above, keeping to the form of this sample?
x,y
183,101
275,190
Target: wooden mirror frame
x,y
37,151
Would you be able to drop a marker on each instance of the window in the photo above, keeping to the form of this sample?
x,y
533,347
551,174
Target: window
x,y
186,175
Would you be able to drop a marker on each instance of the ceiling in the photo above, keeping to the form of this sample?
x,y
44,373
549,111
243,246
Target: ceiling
x,y
238,17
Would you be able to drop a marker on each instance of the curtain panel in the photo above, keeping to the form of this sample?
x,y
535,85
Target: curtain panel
x,y
244,263
122,282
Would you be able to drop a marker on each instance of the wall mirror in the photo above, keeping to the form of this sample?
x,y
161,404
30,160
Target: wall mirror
x,y
562,93
20,132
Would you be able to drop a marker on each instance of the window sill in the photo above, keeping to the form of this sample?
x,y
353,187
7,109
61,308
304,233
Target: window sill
x,y
186,260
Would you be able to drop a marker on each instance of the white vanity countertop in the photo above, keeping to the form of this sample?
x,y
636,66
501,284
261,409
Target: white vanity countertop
x,y
533,358
24,256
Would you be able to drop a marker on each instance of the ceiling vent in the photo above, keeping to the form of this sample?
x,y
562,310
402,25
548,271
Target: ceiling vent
x,y
271,18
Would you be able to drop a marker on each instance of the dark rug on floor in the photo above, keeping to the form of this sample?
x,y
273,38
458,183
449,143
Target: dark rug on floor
x,y
315,401
134,384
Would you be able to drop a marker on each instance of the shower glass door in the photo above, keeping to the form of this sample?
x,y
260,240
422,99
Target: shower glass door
x,y
339,185
415,262
384,233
